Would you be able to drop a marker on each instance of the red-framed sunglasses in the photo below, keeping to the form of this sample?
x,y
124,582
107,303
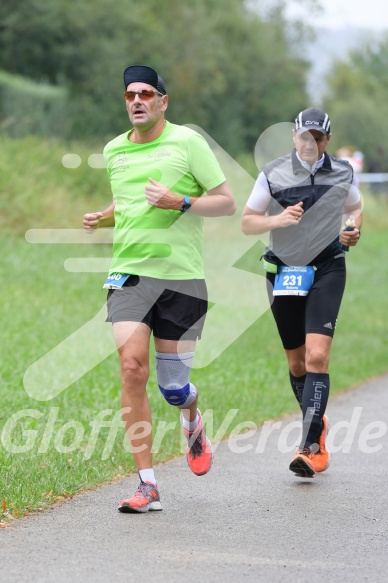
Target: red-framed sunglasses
x,y
144,94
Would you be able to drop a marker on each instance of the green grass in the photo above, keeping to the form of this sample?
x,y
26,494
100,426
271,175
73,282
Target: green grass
x,y
43,304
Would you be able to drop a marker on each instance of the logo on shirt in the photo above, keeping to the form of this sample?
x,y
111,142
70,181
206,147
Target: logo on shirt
x,y
159,154
120,163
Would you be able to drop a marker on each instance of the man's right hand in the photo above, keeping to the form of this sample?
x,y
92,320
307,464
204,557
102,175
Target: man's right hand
x,y
291,215
91,221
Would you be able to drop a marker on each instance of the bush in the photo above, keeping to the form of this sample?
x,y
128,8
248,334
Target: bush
x,y
32,108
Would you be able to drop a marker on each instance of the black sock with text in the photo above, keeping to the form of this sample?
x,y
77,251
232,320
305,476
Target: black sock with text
x,y
314,402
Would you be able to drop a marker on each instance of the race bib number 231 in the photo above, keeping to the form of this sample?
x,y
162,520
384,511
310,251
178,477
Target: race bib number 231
x,y
293,281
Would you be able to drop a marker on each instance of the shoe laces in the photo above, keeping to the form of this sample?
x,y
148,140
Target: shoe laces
x,y
144,489
305,451
196,447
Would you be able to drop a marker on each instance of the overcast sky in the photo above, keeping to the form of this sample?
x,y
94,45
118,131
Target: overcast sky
x,y
369,14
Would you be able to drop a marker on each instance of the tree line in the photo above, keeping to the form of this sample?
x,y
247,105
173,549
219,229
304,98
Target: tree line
x,y
229,67
357,99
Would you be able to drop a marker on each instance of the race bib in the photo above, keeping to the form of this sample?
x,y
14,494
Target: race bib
x,y
293,281
115,281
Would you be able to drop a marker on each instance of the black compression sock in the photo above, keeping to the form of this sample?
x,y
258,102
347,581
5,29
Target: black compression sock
x,y
314,402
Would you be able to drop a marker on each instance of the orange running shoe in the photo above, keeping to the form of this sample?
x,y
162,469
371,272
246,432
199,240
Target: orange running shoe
x,y
199,454
323,453
145,498
302,464
305,463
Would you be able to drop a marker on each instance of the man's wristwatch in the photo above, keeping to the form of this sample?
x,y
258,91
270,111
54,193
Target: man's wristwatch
x,y
186,205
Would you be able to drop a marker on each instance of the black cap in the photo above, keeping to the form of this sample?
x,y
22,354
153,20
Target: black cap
x,y
143,74
312,119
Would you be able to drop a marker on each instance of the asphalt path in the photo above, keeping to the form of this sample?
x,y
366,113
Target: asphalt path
x,y
249,519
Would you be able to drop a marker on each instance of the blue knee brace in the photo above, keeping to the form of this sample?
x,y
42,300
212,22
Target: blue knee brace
x,y
173,372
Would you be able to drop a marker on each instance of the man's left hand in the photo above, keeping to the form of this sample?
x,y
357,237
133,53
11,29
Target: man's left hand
x,y
349,238
159,196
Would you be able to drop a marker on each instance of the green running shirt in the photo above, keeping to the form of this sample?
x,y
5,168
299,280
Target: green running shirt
x,y
165,244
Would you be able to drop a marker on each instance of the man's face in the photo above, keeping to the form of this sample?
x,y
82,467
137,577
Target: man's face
x,y
145,113
310,145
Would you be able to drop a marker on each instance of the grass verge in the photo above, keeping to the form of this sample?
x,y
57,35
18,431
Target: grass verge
x,y
53,449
